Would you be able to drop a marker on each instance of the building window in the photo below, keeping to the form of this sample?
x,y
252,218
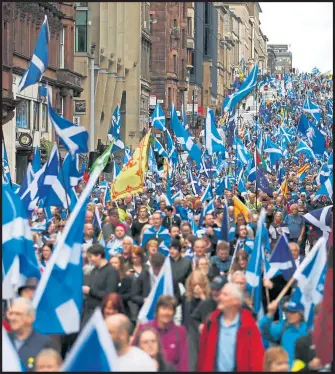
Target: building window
x,y
61,106
36,115
207,42
183,39
23,114
44,127
81,31
175,63
175,22
81,4
189,26
62,46
169,97
4,44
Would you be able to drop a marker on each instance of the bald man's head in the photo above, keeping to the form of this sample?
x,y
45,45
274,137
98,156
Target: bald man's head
x,y
119,328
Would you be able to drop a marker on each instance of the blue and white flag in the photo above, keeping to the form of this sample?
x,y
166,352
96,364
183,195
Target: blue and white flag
x,y
114,130
254,267
313,109
27,180
321,220
242,152
302,147
36,163
195,183
116,170
273,150
171,148
19,260
152,164
184,117
6,178
163,286
11,361
161,235
223,235
93,350
39,60
314,136
184,138
73,137
158,118
177,195
208,194
160,149
326,189
248,85
281,260
58,298
213,139
324,174
311,279
126,156
209,208
330,161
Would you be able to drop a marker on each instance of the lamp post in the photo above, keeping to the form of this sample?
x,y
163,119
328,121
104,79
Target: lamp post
x,y
92,147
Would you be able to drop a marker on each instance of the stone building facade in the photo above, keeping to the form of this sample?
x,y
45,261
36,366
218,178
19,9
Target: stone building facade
x,y
26,113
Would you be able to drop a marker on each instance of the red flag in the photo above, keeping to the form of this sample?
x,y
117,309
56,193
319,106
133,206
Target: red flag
x,y
323,329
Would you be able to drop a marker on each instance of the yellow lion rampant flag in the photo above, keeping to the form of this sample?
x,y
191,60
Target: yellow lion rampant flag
x,y
131,178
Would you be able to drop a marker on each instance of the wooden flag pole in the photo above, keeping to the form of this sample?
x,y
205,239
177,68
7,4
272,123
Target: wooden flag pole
x,y
285,289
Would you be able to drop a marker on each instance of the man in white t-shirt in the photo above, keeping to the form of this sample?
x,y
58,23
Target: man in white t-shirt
x,y
130,358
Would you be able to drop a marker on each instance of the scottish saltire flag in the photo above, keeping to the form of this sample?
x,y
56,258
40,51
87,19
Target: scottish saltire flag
x,y
160,149
161,235
177,195
158,118
39,61
207,168
313,109
36,163
330,161
19,260
114,130
73,137
254,267
213,139
225,184
6,178
326,189
58,298
163,286
27,180
324,174
310,276
281,260
195,184
11,361
184,138
248,85
116,170
61,192
152,164
209,208
223,233
302,147
93,350
126,156
242,152
171,148
321,220
208,194
273,150
314,136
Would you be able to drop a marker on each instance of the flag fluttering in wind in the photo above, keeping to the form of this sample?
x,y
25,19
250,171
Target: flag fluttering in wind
x,y
326,189
10,359
6,178
163,286
239,207
321,220
158,118
94,350
248,85
39,60
131,178
114,130
18,253
160,149
73,137
213,139
313,109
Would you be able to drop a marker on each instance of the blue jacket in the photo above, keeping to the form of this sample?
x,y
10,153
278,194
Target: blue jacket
x,y
281,330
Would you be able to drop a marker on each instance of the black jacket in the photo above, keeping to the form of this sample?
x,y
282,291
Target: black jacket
x,y
174,221
32,347
304,350
101,281
181,269
142,287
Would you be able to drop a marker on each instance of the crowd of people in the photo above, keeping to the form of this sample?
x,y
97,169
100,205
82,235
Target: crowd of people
x,y
209,324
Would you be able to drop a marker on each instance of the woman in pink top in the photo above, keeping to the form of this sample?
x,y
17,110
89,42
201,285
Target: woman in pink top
x,y
172,337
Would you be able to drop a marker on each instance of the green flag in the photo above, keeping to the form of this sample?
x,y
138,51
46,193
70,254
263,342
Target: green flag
x,y
101,162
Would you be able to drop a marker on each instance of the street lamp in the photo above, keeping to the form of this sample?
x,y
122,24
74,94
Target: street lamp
x,y
92,147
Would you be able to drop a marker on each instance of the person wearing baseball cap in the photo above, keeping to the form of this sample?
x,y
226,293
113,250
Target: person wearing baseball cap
x,y
285,332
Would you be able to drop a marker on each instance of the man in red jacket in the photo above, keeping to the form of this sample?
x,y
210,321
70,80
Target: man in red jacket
x,y
230,340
